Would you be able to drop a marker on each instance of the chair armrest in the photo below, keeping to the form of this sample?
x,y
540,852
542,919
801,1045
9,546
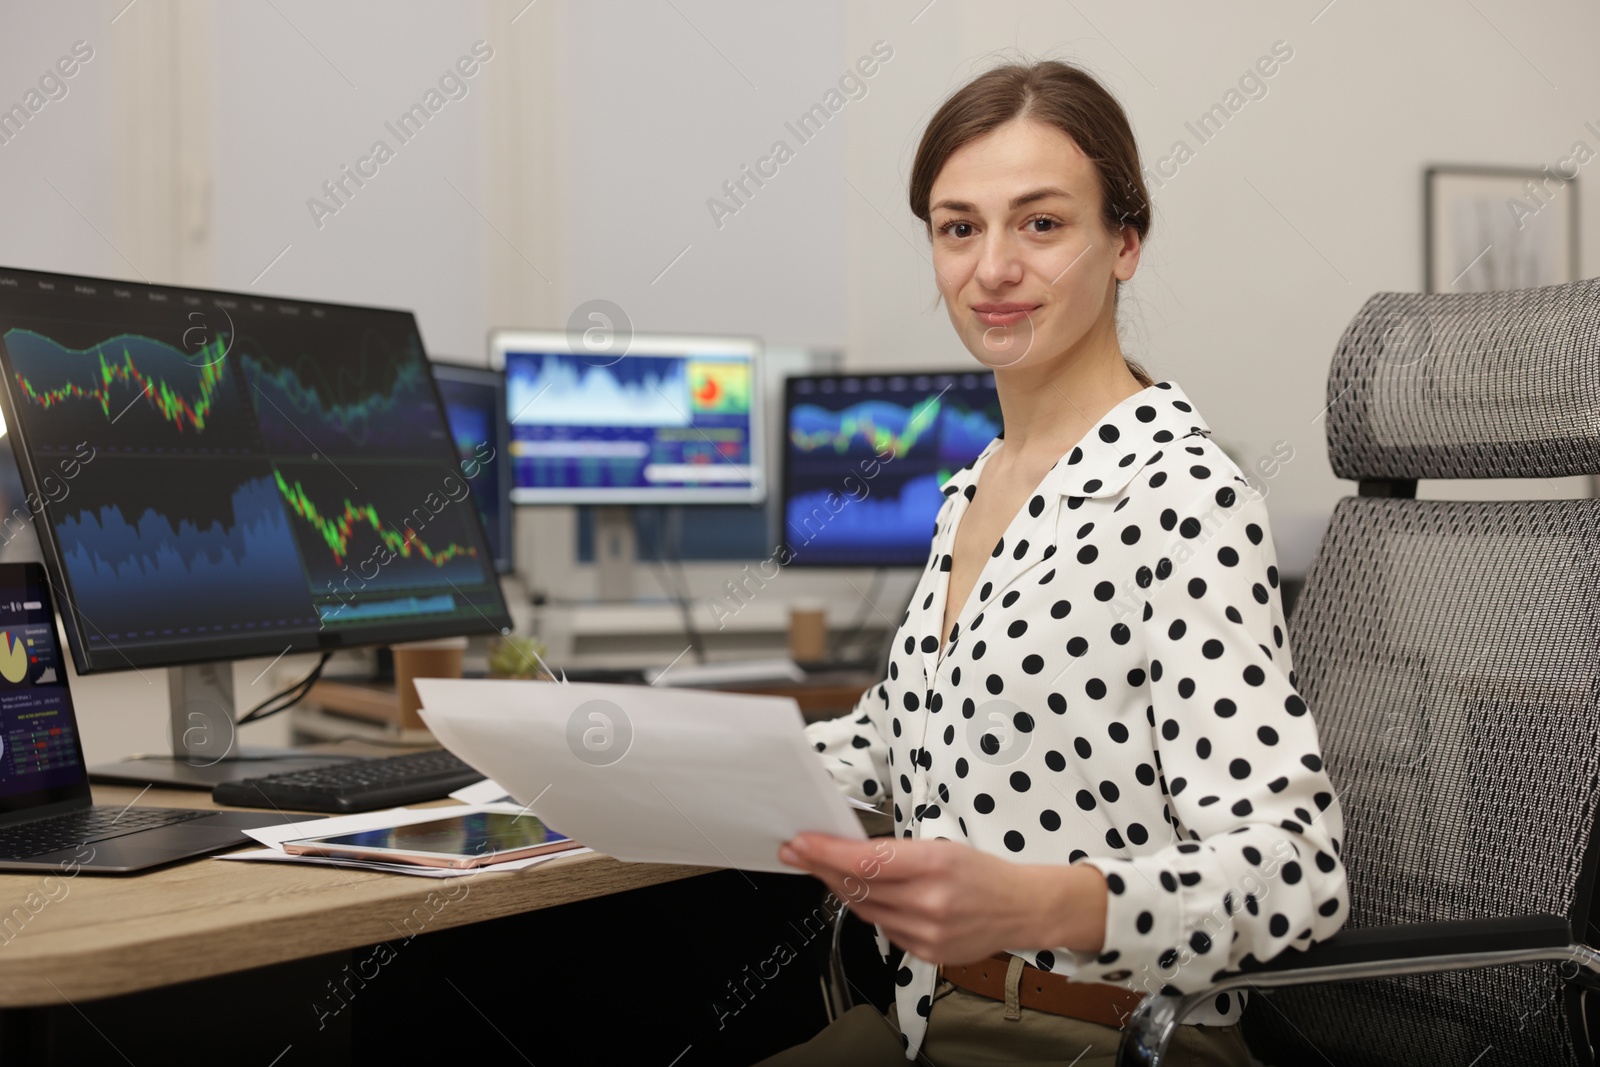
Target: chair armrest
x,y
1410,941
1372,952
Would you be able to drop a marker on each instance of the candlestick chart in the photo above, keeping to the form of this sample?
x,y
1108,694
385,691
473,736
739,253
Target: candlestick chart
x,y
402,527
129,392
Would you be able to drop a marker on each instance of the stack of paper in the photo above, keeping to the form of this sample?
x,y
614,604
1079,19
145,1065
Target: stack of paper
x,y
274,836
646,774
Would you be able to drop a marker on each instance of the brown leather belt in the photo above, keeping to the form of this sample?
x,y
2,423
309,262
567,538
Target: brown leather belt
x,y
1093,1002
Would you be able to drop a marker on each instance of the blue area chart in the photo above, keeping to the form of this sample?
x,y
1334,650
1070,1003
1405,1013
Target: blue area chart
x,y
876,528
553,389
152,572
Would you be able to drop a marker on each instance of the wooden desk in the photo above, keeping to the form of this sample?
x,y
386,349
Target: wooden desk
x,y
105,935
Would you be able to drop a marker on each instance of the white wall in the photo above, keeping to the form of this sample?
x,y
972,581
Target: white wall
x,y
292,110
57,176
665,103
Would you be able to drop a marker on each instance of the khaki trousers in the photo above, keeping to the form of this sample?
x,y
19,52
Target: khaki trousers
x,y
966,1030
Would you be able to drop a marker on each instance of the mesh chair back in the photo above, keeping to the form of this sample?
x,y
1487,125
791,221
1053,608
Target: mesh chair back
x,y
1469,385
1451,653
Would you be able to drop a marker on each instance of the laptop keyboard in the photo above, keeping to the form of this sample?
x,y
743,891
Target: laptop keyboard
x,y
57,832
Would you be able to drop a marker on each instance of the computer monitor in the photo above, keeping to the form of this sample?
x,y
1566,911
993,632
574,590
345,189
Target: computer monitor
x,y
225,475
659,419
674,419
475,405
843,505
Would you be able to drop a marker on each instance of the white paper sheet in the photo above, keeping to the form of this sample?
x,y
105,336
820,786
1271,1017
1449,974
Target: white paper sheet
x,y
646,774
487,791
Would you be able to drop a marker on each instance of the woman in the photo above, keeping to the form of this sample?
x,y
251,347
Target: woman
x,y
1090,733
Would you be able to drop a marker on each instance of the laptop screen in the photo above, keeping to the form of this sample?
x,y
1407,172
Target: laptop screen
x,y
41,759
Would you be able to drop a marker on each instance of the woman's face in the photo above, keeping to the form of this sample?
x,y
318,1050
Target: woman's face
x,y
1024,260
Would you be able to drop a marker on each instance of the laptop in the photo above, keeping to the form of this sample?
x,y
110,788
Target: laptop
x,y
47,819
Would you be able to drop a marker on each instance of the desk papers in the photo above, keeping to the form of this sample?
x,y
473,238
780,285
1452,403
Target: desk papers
x,y
643,774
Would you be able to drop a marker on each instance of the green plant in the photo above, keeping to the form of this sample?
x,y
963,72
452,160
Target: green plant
x,y
516,657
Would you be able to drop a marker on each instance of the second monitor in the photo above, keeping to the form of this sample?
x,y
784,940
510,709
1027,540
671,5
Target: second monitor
x,y
475,405
659,419
673,419
928,424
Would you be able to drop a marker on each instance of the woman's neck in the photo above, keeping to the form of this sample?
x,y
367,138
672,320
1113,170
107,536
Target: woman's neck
x,y
1048,407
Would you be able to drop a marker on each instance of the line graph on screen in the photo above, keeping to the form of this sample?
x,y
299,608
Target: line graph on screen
x,y
376,398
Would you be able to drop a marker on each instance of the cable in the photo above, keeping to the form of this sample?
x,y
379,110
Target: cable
x,y
672,550
285,699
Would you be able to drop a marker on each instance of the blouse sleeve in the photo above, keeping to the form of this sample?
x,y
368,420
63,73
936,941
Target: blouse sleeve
x,y
853,750
1239,760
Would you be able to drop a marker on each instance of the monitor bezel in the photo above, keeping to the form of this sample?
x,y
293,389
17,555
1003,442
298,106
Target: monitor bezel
x,y
798,557
647,346
469,374
212,649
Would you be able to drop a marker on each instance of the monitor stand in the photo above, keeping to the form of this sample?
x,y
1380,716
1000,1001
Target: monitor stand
x,y
205,749
616,552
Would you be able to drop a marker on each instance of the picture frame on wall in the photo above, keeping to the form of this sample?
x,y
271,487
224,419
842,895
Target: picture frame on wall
x,y
1490,228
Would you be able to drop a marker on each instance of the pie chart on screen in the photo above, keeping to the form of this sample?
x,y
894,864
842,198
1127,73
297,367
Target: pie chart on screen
x,y
13,657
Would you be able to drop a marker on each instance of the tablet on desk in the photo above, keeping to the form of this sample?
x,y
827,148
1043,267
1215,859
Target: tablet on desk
x,y
475,839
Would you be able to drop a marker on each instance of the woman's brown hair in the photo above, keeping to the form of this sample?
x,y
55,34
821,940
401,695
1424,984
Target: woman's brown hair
x,y
1057,95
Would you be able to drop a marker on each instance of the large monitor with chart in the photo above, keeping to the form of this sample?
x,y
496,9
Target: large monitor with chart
x,y
663,419
220,475
865,457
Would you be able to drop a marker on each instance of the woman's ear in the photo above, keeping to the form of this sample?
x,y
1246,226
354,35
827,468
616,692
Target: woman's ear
x,y
1128,248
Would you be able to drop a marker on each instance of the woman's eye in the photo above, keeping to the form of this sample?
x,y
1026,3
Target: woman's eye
x,y
1042,225
958,229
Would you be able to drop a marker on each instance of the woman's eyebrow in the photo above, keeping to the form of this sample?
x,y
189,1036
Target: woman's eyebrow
x,y
1016,202
1039,194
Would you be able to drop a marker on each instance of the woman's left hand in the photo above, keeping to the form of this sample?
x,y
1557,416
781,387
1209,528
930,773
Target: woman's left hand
x,y
946,902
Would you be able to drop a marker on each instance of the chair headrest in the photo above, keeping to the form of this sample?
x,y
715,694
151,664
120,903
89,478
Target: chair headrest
x,y
1469,385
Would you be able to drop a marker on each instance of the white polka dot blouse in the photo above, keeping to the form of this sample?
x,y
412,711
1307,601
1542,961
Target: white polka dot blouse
x,y
1117,691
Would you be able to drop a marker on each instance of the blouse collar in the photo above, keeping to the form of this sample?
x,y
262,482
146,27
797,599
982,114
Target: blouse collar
x,y
1130,436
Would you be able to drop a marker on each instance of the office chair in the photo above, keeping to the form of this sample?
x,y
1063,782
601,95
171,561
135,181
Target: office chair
x,y
1450,651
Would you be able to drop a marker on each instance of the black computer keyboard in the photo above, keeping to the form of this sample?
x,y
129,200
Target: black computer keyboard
x,y
359,785
39,836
